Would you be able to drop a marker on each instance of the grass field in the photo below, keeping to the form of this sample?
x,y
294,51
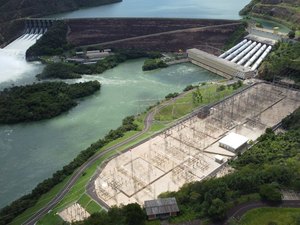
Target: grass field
x,y
185,103
265,216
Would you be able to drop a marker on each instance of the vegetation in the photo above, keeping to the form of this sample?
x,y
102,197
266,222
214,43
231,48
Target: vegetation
x,y
236,37
188,88
172,95
8,213
72,71
247,9
283,11
131,214
59,70
270,192
271,216
282,62
152,64
42,100
205,94
53,42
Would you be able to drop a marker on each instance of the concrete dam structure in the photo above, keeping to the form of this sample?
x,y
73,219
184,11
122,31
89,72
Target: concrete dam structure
x,y
37,26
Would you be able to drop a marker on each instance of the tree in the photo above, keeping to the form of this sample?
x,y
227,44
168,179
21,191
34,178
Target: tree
x,y
197,96
134,215
291,34
270,193
217,209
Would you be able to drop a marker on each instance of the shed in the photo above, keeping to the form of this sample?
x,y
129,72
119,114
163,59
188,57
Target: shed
x,y
161,208
234,142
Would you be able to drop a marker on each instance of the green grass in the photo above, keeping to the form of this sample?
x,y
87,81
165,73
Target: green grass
x,y
154,222
184,105
41,202
263,216
89,204
93,207
50,219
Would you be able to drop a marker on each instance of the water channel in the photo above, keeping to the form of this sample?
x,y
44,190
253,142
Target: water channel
x,y
31,152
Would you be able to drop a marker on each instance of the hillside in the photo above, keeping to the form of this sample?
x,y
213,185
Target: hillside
x,y
11,10
285,11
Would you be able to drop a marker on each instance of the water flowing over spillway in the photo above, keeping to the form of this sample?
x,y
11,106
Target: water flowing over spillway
x,y
12,59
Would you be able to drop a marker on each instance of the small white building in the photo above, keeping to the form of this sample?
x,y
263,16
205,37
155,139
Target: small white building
x,y
234,142
219,159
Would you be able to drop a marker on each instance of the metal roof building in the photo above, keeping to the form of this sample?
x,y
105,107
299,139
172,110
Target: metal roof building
x,y
233,142
218,65
161,208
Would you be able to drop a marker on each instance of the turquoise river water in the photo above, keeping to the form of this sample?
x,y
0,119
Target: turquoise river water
x,y
31,152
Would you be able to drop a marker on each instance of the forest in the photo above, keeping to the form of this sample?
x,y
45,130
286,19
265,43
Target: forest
x,y
282,62
65,70
41,100
53,42
152,64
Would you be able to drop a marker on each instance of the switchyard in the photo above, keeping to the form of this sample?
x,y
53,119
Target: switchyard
x,y
74,213
190,150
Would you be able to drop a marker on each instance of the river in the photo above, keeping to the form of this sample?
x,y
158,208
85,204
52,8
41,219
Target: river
x,y
31,152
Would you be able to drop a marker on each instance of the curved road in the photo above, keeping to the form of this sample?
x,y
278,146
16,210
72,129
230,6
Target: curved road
x,y
238,211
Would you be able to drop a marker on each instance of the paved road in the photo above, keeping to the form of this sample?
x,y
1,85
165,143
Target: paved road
x,y
238,211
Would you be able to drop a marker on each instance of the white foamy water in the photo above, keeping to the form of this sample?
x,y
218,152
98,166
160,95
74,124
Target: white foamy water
x,y
12,60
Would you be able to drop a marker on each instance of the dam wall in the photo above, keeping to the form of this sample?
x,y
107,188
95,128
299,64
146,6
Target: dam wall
x,y
151,33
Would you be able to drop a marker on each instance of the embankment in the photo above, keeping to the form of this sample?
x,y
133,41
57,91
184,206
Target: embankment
x,y
151,34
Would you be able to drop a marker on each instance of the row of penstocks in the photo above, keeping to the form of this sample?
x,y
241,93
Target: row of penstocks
x,y
247,53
